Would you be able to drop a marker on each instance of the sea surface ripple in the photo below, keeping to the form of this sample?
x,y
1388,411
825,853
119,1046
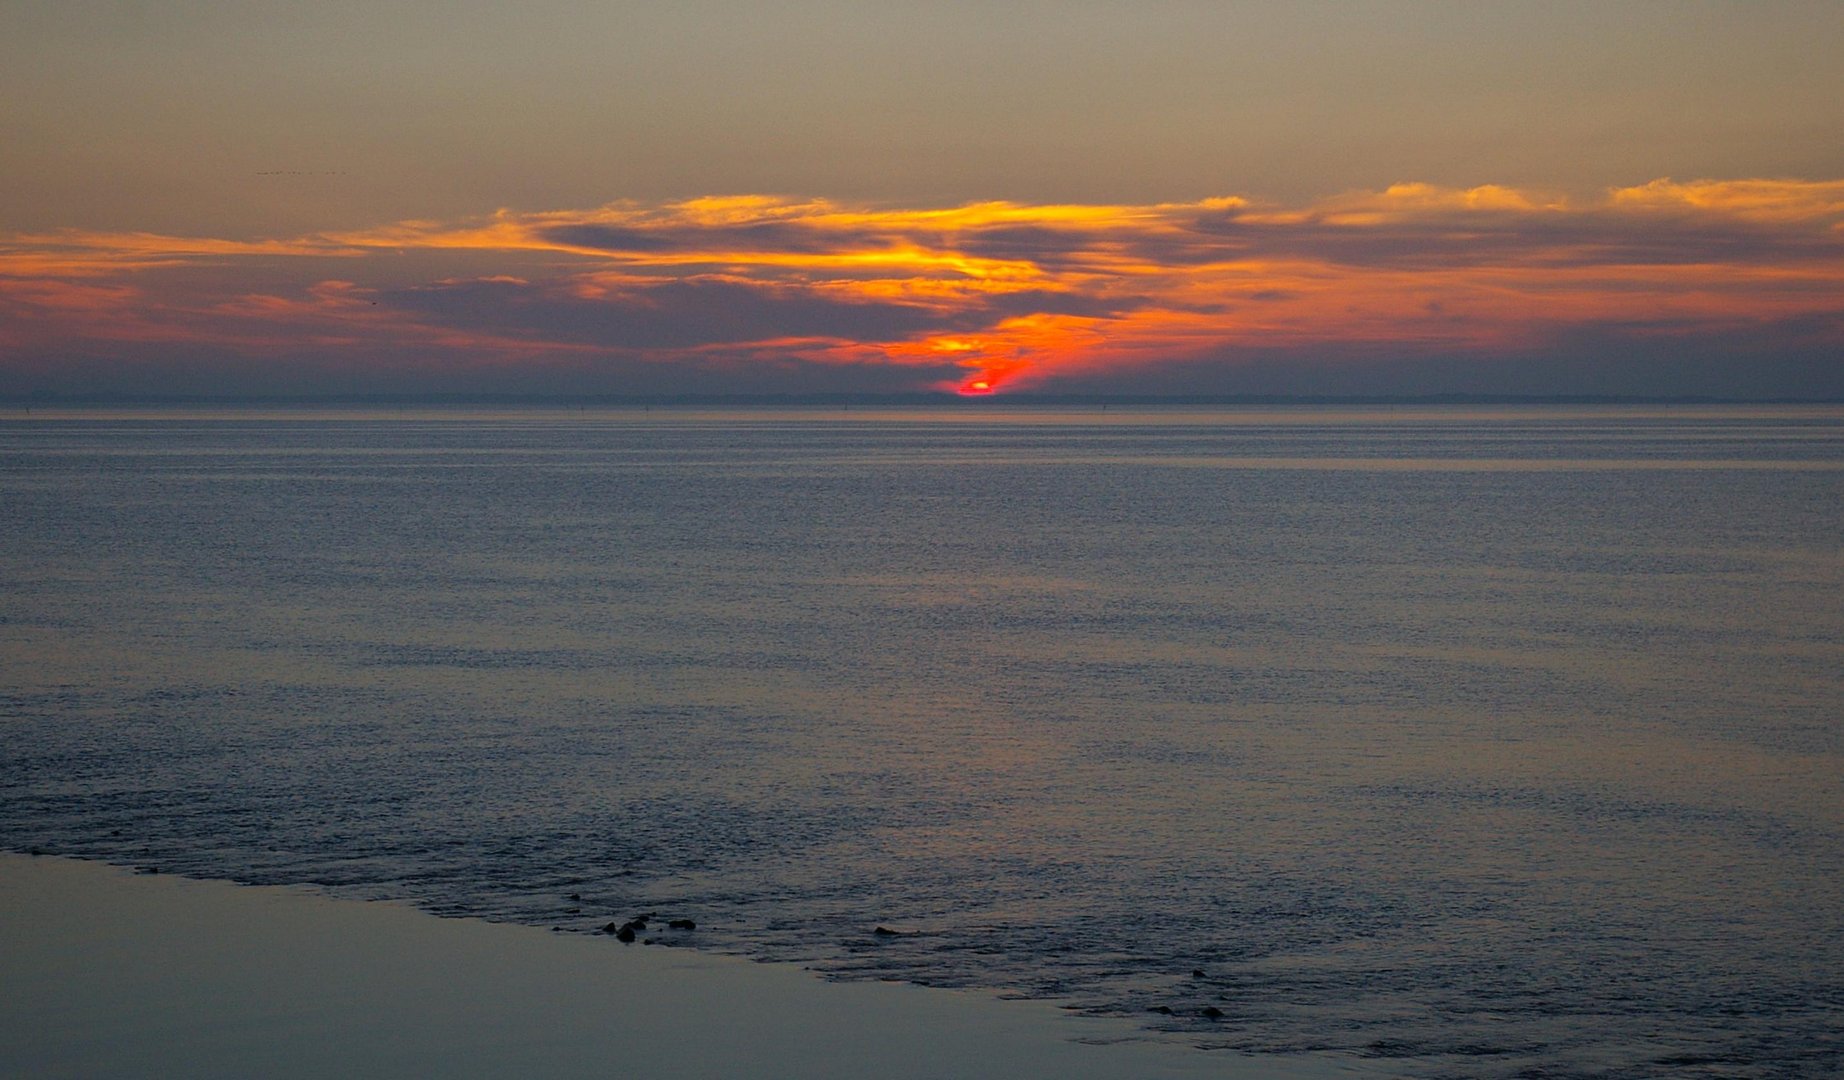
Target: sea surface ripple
x,y
1471,743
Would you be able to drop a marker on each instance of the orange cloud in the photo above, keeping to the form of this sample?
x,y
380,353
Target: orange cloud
x,y
1755,200
998,293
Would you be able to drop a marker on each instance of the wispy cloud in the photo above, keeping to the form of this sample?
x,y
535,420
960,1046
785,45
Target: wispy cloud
x,y
996,294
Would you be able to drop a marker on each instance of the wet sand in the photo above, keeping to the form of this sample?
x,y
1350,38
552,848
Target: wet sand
x,y
108,973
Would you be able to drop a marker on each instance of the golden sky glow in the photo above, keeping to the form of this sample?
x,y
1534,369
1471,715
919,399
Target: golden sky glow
x,y
1002,294
1170,197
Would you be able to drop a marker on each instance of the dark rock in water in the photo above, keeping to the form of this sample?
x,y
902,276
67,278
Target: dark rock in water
x,y
638,922
610,928
1197,973
1211,1012
1162,1010
576,896
35,851
625,935
681,924
572,911
885,931
150,869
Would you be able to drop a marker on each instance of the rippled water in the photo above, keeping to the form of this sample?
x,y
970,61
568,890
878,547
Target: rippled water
x,y
1476,743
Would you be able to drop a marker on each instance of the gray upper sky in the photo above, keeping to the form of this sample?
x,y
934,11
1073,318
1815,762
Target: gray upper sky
x,y
258,117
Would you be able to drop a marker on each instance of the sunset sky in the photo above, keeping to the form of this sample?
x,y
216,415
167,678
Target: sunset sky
x,y
796,196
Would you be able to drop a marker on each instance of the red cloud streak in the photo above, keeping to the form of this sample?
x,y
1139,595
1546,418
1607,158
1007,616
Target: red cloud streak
x,y
978,298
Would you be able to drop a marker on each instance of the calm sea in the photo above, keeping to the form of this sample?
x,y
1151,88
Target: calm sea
x,y
1475,743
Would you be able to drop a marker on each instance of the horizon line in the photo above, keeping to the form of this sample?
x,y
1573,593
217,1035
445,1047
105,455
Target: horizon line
x,y
43,399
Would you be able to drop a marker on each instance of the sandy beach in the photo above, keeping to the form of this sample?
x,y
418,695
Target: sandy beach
x,y
110,973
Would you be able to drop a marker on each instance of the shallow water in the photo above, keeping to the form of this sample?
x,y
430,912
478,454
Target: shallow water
x,y
1473,742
